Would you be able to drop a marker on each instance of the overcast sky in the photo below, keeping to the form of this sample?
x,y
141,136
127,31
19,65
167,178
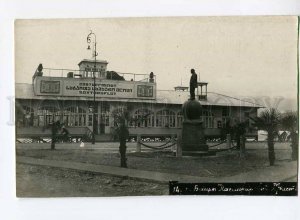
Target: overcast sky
x,y
238,56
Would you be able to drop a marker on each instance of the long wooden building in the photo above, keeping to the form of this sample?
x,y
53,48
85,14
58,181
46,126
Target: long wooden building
x,y
70,99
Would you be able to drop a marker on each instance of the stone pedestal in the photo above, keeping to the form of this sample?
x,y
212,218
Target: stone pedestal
x,y
193,139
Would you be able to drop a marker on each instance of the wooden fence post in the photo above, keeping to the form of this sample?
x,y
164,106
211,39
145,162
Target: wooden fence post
x,y
138,143
178,145
228,138
242,148
173,149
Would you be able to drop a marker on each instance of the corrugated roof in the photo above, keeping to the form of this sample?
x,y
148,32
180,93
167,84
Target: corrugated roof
x,y
216,99
25,91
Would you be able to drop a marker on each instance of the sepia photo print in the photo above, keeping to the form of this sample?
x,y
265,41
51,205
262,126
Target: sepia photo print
x,y
156,106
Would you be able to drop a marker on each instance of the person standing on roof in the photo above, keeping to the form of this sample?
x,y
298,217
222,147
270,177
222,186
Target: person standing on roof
x,y
193,84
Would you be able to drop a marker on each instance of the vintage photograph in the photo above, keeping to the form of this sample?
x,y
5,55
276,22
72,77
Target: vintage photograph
x,y
156,106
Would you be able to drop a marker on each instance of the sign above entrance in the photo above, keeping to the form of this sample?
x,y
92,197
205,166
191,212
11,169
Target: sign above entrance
x,y
59,86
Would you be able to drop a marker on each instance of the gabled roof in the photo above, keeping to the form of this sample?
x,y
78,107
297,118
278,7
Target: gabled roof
x,y
25,91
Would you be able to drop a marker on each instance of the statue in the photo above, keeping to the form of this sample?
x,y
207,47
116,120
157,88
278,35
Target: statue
x,y
193,84
193,138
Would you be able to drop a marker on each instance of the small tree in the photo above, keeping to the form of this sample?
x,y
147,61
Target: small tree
x,y
239,131
121,117
289,122
269,121
19,114
55,127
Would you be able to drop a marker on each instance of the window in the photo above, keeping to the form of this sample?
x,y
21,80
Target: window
x,y
105,119
226,111
105,112
90,121
74,116
143,118
27,118
165,118
47,115
247,119
99,72
208,119
119,114
179,119
219,124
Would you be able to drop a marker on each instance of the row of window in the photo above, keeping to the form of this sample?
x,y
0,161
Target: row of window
x,y
146,118
71,116
165,118
76,116
99,72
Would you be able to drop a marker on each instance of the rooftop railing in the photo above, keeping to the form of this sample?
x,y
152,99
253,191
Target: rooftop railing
x,y
53,72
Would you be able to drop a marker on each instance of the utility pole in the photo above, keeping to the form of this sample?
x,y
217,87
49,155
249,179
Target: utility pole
x,y
95,54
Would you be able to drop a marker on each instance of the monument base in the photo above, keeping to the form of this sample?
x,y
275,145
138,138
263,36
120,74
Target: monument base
x,y
193,139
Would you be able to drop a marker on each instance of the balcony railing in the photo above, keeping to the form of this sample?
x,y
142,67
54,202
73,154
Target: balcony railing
x,y
52,72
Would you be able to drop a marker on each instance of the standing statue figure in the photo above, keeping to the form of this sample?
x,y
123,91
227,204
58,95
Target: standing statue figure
x,y
193,140
193,84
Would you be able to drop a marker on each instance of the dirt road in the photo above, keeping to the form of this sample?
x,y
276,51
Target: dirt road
x,y
41,181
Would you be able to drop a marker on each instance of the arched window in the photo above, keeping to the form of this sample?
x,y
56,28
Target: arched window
x,y
47,115
179,119
165,118
143,118
208,119
119,114
74,116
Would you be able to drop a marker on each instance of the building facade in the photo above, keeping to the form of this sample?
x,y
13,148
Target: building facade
x,y
70,100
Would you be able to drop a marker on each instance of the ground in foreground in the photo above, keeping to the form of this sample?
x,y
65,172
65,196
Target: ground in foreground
x,y
41,181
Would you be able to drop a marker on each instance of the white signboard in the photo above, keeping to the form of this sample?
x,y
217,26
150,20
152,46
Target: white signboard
x,y
58,86
102,89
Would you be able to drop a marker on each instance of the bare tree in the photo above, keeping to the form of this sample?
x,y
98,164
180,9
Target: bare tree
x,y
121,117
289,122
269,121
